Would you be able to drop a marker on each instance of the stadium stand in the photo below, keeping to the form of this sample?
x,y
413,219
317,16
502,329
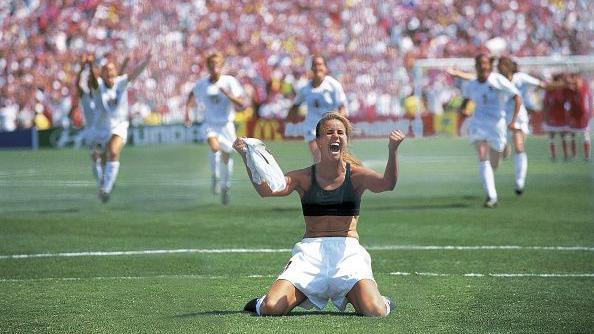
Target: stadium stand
x,y
370,47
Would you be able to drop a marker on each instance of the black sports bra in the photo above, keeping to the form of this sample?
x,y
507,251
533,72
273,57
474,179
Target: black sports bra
x,y
342,201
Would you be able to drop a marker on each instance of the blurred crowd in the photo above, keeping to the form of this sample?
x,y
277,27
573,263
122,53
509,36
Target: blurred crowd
x,y
370,47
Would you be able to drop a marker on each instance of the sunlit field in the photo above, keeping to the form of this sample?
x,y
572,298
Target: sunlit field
x,y
164,256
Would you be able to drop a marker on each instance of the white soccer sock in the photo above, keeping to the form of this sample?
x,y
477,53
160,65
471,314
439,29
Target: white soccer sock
x,y
110,175
488,179
259,304
521,167
387,302
226,172
97,169
214,158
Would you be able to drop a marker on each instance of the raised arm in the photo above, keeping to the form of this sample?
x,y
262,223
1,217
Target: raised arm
x,y
375,181
93,84
460,74
79,75
188,110
136,72
263,189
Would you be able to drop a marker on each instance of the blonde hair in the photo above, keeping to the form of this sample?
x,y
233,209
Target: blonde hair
x,y
346,155
215,55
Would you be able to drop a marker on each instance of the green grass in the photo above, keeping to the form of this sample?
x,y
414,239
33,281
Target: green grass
x,y
48,204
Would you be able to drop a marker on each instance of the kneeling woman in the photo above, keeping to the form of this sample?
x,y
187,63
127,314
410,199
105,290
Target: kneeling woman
x,y
329,263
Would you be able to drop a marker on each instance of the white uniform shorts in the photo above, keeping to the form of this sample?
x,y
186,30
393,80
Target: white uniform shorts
x,y
493,131
102,136
225,134
521,121
327,269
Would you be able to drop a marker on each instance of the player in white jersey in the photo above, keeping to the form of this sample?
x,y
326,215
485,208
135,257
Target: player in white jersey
x,y
219,95
524,82
322,94
89,116
110,95
489,92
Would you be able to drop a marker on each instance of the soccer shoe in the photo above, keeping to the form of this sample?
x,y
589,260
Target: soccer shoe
x,y
391,304
215,186
519,191
103,196
225,196
251,306
490,203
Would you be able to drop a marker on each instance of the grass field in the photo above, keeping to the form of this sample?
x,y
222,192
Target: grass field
x,y
449,264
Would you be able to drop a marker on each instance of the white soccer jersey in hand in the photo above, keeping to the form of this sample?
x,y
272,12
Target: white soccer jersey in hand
x,y
218,108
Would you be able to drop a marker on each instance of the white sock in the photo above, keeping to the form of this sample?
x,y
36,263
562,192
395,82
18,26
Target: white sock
x,y
226,173
387,302
521,167
110,175
259,304
214,158
488,179
97,172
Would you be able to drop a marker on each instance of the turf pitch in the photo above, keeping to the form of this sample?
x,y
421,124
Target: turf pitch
x,y
183,263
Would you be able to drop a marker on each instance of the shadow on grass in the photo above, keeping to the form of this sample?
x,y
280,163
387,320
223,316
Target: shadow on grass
x,y
292,314
420,207
43,211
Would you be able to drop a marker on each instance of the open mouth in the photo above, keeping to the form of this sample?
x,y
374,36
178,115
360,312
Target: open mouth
x,y
334,147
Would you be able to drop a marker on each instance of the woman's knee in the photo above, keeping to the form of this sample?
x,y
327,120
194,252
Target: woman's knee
x,y
373,308
272,306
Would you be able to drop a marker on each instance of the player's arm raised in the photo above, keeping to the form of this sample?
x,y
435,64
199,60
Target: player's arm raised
x,y
377,182
188,110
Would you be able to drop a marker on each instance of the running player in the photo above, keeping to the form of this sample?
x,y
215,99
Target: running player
x,y
219,95
321,94
489,92
110,92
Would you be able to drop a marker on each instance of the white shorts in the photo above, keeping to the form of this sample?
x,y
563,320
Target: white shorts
x,y
521,121
225,134
121,130
102,136
327,269
493,131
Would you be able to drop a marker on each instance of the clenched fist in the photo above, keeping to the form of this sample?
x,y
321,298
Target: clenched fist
x,y
240,146
396,137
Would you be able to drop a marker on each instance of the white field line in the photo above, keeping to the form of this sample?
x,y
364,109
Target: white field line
x,y
505,275
287,250
228,277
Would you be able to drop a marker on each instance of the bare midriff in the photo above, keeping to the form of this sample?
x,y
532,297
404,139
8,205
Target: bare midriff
x,y
331,226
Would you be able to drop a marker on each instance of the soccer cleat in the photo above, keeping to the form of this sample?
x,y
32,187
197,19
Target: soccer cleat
x,y
391,304
251,306
490,203
519,191
225,196
215,186
103,196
